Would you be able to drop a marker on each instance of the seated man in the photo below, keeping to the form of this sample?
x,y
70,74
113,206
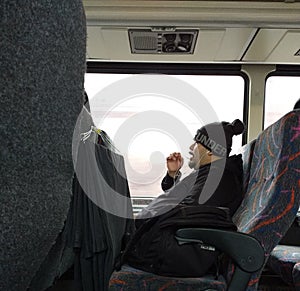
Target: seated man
x,y
208,197
216,179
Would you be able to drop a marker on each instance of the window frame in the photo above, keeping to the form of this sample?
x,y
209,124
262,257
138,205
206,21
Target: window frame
x,y
280,71
106,67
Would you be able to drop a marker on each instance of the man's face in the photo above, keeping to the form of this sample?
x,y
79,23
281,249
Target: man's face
x,y
198,155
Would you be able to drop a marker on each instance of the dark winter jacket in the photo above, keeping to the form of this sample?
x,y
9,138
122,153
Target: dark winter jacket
x,y
216,184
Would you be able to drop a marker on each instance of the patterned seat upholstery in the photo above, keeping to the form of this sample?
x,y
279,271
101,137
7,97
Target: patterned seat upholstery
x,y
247,154
268,209
283,260
272,199
296,276
136,280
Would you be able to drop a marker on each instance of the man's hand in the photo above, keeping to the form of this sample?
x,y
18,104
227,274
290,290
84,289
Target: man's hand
x,y
174,163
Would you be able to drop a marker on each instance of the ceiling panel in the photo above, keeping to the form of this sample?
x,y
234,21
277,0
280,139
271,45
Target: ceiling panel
x,y
111,43
96,47
274,46
286,48
220,14
229,31
235,43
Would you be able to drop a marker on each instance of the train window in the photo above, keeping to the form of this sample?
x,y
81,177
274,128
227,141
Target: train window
x,y
148,125
282,92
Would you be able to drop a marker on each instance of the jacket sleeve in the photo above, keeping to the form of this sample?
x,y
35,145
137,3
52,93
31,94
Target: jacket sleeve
x,y
168,181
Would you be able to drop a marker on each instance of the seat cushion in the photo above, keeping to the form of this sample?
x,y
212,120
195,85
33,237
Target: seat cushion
x,y
283,260
296,276
131,279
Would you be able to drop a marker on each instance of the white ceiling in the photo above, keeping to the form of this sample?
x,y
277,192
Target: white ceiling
x,y
229,31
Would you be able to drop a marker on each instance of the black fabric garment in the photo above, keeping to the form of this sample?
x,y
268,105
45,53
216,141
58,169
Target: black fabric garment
x,y
229,191
189,191
168,181
96,235
154,246
156,250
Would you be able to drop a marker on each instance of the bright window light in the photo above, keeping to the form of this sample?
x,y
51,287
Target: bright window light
x,y
147,125
282,92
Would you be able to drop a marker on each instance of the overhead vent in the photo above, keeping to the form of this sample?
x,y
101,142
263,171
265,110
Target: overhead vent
x,y
162,41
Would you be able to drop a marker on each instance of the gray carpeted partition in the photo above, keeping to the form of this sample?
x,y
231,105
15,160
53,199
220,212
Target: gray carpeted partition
x,y
42,65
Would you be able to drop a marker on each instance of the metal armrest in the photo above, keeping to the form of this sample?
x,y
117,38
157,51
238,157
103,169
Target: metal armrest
x,y
245,250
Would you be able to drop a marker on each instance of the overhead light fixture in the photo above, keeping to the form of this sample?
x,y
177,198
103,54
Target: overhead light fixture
x,y
162,41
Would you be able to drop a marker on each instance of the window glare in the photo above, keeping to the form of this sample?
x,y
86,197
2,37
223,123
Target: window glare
x,y
282,92
145,153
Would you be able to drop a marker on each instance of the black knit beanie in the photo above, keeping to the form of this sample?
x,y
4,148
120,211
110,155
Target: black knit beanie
x,y
217,136
297,105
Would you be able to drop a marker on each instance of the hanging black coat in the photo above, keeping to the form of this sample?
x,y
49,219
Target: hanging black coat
x,y
97,235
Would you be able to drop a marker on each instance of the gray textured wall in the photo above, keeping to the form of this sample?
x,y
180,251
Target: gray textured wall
x,y
42,64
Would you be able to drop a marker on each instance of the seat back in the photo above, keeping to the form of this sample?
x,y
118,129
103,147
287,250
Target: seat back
x,y
272,193
247,154
296,276
43,61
